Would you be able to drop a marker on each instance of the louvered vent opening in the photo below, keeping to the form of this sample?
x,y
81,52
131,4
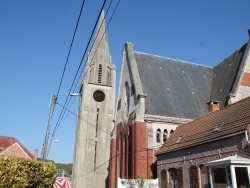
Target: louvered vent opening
x,y
100,74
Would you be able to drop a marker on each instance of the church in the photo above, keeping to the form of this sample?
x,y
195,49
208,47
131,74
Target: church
x,y
95,115
157,94
117,140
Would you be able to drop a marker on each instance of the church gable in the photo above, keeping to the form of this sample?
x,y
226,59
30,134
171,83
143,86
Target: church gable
x,y
130,87
231,78
224,76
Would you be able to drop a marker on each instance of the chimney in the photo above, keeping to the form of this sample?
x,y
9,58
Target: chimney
x,y
35,154
213,106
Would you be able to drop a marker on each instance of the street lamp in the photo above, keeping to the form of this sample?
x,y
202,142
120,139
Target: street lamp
x,y
52,106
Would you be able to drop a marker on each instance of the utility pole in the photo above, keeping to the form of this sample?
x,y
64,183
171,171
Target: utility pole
x,y
45,144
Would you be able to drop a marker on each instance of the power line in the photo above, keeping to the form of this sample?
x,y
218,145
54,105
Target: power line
x,y
63,107
104,31
98,44
61,116
63,110
78,117
153,147
72,41
44,152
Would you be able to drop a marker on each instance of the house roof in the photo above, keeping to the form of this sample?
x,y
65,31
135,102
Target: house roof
x,y
174,88
224,75
234,118
6,142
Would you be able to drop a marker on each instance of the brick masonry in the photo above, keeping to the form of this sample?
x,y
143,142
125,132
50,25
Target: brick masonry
x,y
201,154
246,79
130,157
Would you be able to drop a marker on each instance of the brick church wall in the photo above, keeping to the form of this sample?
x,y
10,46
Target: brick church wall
x,y
130,157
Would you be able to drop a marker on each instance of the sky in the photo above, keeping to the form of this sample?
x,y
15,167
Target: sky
x,y
35,38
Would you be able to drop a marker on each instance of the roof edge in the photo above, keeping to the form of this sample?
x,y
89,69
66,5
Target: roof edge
x,y
182,61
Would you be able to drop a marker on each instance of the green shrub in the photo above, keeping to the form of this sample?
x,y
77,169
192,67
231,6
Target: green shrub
x,y
25,173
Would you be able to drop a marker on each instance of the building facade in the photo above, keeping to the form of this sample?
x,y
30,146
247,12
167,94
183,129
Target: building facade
x,y
95,115
157,94
212,151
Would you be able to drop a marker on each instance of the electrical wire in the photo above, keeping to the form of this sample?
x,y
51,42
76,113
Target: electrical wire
x,y
63,110
157,146
66,63
72,41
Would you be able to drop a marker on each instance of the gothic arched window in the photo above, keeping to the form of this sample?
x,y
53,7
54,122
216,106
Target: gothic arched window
x,y
165,135
100,74
158,135
127,98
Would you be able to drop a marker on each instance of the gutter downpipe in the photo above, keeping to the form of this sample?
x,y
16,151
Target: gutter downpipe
x,y
247,139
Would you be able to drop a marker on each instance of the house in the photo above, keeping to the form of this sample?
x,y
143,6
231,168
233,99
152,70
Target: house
x,y
10,146
62,173
212,151
157,94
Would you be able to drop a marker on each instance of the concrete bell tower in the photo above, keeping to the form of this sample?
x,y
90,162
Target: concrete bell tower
x,y
95,115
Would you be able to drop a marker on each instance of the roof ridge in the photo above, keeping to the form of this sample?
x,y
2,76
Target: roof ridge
x,y
222,108
182,61
208,123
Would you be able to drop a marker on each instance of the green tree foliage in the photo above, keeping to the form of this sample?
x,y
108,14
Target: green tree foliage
x,y
25,173
67,167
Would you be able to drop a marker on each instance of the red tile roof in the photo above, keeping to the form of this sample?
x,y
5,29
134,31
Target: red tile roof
x,y
234,118
6,142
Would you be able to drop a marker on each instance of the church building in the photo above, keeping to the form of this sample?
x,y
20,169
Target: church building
x,y
95,115
157,94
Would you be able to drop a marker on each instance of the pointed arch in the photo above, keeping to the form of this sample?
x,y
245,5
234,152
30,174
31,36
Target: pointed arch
x,y
165,135
171,132
158,135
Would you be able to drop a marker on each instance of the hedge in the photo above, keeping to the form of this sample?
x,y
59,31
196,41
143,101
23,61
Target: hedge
x,y
25,173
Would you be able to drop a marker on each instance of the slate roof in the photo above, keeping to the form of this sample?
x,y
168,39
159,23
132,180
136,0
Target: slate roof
x,y
174,88
232,119
224,75
6,142
181,89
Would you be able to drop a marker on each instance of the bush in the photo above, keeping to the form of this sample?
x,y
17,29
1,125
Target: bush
x,y
19,172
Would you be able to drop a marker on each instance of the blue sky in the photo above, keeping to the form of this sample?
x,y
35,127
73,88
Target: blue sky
x,y
35,37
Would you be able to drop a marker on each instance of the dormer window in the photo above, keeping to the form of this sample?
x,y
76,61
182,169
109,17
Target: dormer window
x,y
217,127
179,139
